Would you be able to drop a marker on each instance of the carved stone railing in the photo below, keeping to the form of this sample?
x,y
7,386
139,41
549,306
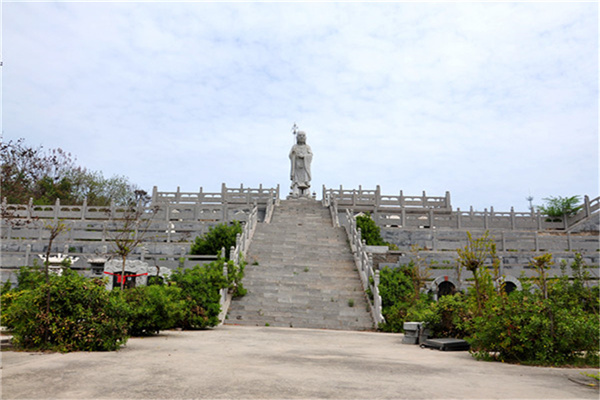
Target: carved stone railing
x,y
364,264
372,200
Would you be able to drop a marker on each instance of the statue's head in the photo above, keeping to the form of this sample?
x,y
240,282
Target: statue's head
x,y
301,137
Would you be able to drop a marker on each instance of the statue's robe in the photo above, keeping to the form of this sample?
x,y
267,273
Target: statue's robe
x,y
301,158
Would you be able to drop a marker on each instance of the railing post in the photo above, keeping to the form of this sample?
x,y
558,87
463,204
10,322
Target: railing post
x,y
586,205
56,209
448,203
84,208
154,195
485,219
403,217
458,219
537,243
512,218
27,254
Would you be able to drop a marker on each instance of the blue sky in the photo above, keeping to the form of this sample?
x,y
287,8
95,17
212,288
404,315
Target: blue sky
x,y
490,101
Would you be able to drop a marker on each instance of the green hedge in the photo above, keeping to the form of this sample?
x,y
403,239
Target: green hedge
x,y
83,315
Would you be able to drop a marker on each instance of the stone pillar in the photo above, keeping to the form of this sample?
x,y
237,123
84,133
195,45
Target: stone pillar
x,y
458,219
448,203
537,243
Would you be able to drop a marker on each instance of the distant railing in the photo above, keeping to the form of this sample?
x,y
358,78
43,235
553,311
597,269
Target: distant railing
x,y
426,212
361,199
364,263
227,195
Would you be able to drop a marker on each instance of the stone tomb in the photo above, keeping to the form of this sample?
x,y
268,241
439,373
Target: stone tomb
x,y
136,273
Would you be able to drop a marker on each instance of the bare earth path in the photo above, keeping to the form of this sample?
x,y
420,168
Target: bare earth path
x,y
274,363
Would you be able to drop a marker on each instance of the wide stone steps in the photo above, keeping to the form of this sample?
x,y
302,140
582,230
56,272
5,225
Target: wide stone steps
x,y
301,273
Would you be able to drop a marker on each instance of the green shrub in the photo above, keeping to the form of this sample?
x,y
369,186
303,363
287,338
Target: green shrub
x,y
151,308
524,327
398,299
216,238
450,316
371,233
200,291
83,315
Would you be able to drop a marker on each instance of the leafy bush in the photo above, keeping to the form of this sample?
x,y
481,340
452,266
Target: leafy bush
x,y
216,238
200,291
83,315
398,299
450,316
151,308
524,327
371,233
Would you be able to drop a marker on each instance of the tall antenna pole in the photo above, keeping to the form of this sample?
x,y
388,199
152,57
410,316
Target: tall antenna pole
x,y
530,200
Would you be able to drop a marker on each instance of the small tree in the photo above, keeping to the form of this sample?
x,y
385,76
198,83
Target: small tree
x,y
133,228
473,257
55,230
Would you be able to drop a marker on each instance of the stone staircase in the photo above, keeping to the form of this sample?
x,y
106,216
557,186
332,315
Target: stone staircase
x,y
301,274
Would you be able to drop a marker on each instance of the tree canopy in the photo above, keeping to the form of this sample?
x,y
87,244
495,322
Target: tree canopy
x,y
45,175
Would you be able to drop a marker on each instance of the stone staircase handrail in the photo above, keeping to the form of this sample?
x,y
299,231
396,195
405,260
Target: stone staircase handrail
x,y
364,264
237,254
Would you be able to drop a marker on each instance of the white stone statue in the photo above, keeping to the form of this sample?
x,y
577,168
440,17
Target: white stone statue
x,y
301,157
